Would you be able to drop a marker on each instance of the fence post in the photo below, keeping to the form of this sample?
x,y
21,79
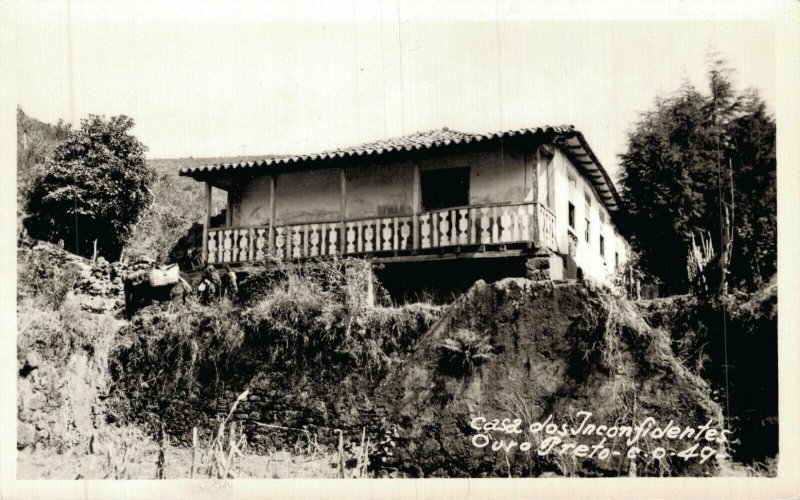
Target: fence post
x,y
206,223
341,453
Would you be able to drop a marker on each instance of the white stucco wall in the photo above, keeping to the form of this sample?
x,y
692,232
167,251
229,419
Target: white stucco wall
x,y
250,202
380,189
376,190
587,255
310,196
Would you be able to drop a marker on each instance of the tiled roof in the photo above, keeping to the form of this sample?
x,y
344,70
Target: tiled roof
x,y
418,140
576,148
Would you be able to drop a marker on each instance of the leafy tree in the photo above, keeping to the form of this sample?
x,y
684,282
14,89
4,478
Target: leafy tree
x,y
681,160
94,188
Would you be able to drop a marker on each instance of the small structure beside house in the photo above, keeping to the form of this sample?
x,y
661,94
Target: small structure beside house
x,y
534,201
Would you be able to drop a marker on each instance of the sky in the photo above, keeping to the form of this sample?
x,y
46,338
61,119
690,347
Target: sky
x,y
210,79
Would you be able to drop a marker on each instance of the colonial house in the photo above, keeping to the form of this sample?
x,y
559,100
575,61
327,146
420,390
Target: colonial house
x,y
536,201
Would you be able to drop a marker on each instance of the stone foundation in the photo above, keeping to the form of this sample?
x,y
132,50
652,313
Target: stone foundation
x,y
545,267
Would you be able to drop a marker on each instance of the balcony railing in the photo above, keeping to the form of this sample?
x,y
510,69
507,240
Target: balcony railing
x,y
508,223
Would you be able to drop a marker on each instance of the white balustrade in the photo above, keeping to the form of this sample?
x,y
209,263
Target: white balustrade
x,y
461,226
242,244
546,227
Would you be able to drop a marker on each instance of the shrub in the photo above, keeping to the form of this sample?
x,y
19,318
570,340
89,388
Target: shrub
x,y
175,349
464,351
316,315
46,281
95,187
320,314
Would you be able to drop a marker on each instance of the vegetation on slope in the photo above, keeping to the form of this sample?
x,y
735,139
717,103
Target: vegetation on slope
x,y
732,343
62,356
313,316
35,143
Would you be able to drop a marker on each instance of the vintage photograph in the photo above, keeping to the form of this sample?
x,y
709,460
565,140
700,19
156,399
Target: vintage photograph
x,y
395,239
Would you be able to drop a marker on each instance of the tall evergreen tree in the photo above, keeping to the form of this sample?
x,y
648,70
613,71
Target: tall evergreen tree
x,y
681,160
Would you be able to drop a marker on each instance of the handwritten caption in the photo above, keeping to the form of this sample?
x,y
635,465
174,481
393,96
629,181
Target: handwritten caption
x,y
647,439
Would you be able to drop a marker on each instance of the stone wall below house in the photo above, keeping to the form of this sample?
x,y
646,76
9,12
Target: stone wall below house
x,y
99,283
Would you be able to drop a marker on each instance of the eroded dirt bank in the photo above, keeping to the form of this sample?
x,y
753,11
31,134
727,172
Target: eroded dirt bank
x,y
553,350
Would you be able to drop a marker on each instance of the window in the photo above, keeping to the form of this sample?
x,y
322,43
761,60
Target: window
x,y
602,217
571,181
587,210
571,216
444,188
616,260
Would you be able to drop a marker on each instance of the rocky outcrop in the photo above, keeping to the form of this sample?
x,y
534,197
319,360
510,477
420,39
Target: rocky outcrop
x,y
62,360
102,283
99,283
540,350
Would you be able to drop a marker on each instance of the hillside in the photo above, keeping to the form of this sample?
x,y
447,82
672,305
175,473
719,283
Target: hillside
x,y
413,382
178,205
35,141
305,356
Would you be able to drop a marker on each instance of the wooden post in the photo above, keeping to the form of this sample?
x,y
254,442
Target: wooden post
x,y
370,287
207,223
341,453
536,176
271,230
161,462
229,210
342,208
194,452
415,203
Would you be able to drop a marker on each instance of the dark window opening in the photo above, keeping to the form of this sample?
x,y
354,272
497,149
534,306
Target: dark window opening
x,y
602,246
616,260
571,216
588,230
444,188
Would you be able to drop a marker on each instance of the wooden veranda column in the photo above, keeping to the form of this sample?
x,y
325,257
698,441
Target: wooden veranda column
x,y
415,203
207,223
271,231
342,209
229,209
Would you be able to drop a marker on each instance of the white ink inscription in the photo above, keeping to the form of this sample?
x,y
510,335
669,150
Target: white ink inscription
x,y
550,438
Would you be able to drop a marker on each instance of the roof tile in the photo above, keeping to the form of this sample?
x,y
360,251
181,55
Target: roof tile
x,y
430,139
